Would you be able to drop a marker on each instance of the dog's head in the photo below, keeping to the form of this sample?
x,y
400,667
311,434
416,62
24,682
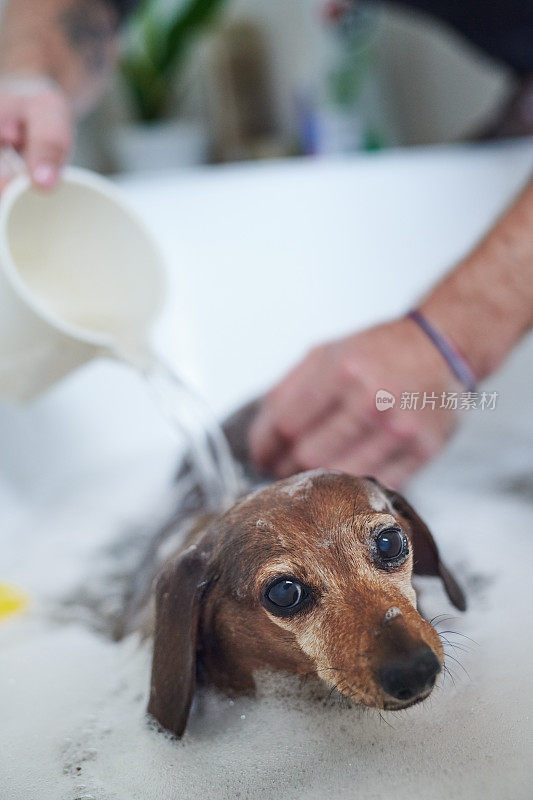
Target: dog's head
x,y
309,575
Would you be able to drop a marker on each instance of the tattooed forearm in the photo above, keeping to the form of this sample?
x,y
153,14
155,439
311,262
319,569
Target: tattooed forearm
x,y
90,28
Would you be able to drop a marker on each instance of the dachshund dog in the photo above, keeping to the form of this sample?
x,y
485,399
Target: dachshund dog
x,y
307,575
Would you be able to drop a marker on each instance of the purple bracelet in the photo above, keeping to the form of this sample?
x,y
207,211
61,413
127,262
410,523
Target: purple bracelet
x,y
458,365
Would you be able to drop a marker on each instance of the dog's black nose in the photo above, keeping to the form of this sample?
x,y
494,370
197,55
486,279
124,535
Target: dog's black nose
x,y
410,675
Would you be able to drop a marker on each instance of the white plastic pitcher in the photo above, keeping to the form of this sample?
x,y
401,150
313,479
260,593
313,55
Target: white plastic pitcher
x,y
80,276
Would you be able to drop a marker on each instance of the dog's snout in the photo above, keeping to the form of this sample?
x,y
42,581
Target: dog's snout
x,y
410,676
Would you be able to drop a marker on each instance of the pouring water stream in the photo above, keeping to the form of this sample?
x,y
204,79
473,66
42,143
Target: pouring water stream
x,y
192,420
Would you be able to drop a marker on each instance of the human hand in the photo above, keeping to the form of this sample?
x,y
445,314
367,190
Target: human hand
x,y
35,120
323,413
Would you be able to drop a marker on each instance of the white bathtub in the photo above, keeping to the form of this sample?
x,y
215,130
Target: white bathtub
x,y
266,260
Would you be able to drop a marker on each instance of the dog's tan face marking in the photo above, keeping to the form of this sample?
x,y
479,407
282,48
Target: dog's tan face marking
x,y
318,530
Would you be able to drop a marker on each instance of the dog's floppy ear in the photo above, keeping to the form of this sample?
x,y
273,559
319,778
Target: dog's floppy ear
x,y
426,557
427,560
178,597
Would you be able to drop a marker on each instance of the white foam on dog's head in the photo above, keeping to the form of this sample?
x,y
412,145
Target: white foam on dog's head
x,y
377,498
300,485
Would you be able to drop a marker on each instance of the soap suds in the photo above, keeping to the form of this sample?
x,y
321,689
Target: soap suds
x,y
73,704
377,499
299,486
391,613
264,524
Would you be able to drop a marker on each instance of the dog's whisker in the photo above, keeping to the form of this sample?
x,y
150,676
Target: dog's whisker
x,y
458,633
444,637
461,665
333,689
336,688
454,678
446,672
386,721
350,694
340,688
438,619
445,619
455,647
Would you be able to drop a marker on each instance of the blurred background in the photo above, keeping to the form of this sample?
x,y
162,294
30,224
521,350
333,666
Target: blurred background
x,y
230,80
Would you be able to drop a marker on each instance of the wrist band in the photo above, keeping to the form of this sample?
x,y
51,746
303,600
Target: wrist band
x,y
458,365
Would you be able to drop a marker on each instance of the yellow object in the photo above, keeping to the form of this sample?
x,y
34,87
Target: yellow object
x,y
12,600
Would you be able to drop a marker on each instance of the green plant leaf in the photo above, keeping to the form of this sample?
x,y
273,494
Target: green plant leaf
x,y
196,15
150,67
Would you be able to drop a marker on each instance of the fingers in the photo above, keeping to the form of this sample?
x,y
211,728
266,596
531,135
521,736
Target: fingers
x,y
359,445
9,159
392,453
37,125
324,413
302,398
10,133
48,139
375,455
10,121
329,441
352,439
370,455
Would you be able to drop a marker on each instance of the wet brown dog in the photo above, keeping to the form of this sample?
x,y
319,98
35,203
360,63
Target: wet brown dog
x,y
308,575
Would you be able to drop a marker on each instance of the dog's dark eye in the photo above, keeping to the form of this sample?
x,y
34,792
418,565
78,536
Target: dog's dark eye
x,y
391,545
285,596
